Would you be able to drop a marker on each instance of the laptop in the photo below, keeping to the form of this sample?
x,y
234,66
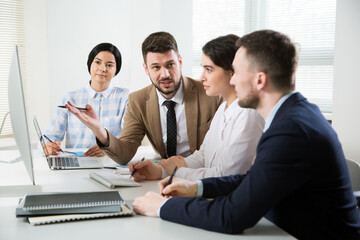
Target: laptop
x,y
65,162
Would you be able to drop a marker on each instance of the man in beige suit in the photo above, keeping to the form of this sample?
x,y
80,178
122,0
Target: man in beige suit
x,y
146,112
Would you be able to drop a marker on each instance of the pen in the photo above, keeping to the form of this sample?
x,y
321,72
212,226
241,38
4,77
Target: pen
x,y
115,166
133,172
75,107
51,141
170,179
110,167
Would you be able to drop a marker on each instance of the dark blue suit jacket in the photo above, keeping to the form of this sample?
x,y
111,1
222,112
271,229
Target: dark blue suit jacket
x,y
299,181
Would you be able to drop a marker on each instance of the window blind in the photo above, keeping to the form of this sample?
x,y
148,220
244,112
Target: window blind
x,y
310,24
12,32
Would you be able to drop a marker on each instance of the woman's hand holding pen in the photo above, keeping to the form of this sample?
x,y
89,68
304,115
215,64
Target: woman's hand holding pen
x,y
179,187
90,119
146,170
53,147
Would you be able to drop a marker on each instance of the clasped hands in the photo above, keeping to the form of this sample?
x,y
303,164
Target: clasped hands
x,y
150,203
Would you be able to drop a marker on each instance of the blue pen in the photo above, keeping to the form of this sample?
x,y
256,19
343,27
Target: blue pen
x,y
117,166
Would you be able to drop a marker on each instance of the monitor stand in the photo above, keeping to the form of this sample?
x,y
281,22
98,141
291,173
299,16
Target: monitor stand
x,y
19,190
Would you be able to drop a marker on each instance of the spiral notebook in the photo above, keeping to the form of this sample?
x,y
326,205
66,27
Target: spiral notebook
x,y
69,203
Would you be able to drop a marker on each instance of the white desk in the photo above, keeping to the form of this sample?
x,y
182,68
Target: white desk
x,y
137,227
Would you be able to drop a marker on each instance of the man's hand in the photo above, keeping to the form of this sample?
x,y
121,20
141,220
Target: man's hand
x,y
148,204
145,170
170,163
179,187
94,151
90,119
52,148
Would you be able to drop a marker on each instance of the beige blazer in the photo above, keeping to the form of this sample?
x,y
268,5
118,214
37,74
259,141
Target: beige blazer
x,y
143,117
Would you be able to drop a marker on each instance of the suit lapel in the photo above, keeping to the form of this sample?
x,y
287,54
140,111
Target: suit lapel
x,y
153,113
191,112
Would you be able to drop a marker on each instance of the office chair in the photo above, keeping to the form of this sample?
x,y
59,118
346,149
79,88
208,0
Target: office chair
x,y
354,170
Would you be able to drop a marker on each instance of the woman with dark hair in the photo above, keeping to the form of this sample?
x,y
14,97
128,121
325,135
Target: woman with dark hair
x,y
104,62
230,144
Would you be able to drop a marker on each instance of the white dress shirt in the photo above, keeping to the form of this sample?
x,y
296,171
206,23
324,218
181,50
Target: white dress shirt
x,y
182,146
229,146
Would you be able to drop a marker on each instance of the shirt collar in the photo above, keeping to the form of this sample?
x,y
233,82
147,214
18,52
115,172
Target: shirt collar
x,y
106,93
229,112
178,97
273,112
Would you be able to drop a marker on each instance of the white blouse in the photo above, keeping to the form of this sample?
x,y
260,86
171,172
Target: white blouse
x,y
229,146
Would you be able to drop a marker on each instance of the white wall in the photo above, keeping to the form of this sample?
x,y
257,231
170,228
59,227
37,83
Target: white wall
x,y
75,27
176,18
60,35
38,97
346,102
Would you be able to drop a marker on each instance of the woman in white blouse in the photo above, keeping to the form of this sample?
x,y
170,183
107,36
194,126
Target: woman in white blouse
x,y
230,144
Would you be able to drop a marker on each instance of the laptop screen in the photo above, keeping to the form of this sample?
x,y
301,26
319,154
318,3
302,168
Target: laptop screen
x,y
41,137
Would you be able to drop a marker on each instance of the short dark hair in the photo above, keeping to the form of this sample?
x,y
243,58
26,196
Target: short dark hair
x,y
159,42
273,53
105,47
222,50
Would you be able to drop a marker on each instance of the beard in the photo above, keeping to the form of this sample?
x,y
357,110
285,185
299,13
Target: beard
x,y
250,101
170,91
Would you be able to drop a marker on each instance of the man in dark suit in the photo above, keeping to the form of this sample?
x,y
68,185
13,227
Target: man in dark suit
x,y
146,112
299,180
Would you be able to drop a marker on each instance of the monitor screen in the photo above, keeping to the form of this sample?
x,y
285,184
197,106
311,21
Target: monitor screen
x,y
18,114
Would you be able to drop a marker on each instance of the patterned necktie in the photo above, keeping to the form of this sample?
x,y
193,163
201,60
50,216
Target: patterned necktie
x,y
171,128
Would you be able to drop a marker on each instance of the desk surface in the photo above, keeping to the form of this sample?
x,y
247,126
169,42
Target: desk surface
x,y
137,227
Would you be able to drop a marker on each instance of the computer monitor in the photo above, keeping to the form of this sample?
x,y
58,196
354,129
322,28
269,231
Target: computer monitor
x,y
19,122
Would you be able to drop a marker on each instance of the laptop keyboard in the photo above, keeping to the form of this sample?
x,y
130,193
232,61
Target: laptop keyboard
x,y
66,162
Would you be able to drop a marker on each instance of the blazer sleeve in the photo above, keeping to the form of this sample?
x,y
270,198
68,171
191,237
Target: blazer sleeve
x,y
276,173
123,149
